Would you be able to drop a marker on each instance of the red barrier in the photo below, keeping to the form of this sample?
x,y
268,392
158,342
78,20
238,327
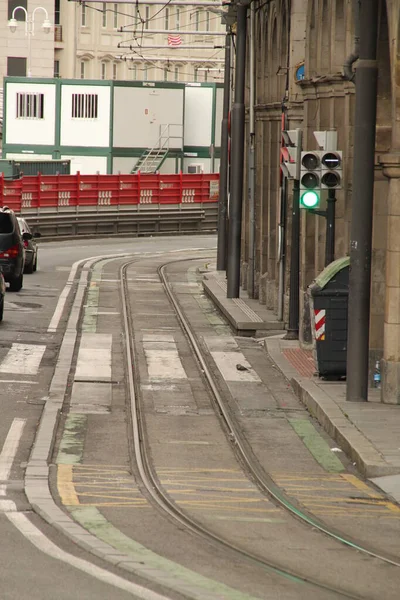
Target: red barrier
x,y
53,191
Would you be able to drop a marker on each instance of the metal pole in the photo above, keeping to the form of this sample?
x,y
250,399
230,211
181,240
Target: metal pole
x,y
223,168
330,228
251,161
282,248
29,33
294,292
237,158
362,205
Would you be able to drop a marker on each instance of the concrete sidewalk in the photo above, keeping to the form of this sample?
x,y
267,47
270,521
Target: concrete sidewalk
x,y
369,433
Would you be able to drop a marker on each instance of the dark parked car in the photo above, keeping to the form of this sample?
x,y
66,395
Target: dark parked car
x,y
12,250
2,294
31,249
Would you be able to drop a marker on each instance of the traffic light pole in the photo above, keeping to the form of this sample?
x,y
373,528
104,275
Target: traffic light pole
x,y
224,165
362,206
294,291
330,228
237,158
329,215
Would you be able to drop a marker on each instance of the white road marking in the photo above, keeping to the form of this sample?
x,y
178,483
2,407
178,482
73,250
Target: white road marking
x,y
94,358
164,364
157,337
23,359
40,541
62,300
226,363
26,382
10,447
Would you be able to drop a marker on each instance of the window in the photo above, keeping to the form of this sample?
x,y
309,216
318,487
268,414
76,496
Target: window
x,y
205,75
134,72
115,16
16,66
178,19
19,14
176,73
57,12
84,106
166,24
30,106
103,70
147,18
196,74
56,68
165,74
207,21
82,69
115,70
104,16
145,73
83,15
197,21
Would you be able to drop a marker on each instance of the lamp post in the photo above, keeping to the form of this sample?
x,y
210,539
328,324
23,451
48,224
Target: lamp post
x,y
29,27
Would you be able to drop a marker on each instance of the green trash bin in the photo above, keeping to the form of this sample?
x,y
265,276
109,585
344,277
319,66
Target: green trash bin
x,y
329,304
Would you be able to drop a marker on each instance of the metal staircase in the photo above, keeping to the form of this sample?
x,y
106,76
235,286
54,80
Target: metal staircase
x,y
150,161
152,158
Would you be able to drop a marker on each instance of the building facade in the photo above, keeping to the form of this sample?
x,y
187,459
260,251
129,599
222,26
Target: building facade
x,y
129,41
29,47
301,47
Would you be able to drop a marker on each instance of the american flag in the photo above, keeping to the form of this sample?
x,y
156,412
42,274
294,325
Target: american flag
x,y
174,41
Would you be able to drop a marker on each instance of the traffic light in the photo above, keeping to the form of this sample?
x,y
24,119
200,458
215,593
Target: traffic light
x,y
290,153
331,170
320,170
310,179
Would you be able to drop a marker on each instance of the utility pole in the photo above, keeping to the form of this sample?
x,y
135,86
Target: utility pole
x,y
237,157
362,205
294,291
224,166
251,159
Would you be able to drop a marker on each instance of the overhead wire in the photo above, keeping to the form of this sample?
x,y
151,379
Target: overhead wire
x,y
139,19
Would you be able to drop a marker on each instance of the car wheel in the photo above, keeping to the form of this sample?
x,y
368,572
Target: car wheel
x,y
29,267
34,267
1,308
16,283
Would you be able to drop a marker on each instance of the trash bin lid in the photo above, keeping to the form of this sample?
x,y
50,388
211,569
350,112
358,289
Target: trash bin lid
x,y
329,273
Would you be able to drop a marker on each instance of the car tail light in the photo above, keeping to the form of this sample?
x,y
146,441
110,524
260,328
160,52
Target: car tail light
x,y
26,243
12,252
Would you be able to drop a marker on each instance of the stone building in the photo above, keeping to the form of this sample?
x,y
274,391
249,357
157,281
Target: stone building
x,y
124,41
301,47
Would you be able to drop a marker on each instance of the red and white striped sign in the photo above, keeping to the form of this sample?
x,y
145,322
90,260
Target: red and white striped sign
x,y
319,325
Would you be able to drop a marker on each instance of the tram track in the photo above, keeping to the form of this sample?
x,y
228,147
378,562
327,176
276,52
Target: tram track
x,y
149,478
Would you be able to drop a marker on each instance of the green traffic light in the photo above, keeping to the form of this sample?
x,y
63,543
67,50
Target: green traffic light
x,y
309,199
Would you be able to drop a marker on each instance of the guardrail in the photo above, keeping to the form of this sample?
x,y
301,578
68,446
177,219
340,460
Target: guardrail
x,y
114,204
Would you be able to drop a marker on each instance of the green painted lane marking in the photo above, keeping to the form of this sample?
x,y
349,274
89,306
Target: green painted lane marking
x,y
73,439
316,444
150,564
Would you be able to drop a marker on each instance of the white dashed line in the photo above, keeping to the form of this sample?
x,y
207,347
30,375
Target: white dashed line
x,y
23,359
10,448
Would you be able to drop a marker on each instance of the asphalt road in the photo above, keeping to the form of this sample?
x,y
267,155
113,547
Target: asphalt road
x,y
37,561
25,572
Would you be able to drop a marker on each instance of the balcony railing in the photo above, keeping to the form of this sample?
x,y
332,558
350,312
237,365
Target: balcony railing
x,y
58,33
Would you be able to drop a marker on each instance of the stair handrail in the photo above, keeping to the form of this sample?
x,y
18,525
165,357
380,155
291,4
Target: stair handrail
x,y
162,145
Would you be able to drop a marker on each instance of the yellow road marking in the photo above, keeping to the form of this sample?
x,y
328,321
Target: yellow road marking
x,y
65,485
